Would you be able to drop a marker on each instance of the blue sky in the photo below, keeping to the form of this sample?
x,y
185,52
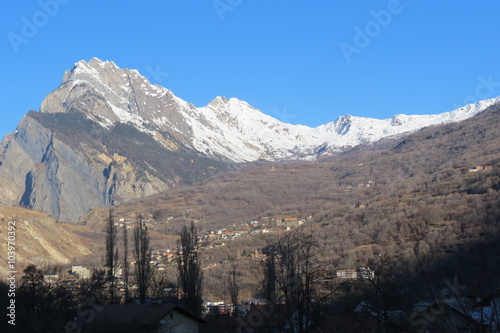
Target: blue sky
x,y
305,62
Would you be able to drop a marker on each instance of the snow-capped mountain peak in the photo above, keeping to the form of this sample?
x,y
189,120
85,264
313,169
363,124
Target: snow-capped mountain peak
x,y
228,129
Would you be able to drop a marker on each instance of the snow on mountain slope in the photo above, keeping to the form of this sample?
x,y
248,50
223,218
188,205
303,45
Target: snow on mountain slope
x,y
224,129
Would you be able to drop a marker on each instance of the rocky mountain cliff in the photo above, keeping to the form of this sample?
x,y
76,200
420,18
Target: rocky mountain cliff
x,y
106,135
66,164
229,130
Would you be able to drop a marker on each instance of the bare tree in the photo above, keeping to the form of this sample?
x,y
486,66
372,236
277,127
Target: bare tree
x,y
189,269
297,266
142,253
93,288
384,287
32,282
44,306
158,283
125,262
111,255
269,281
233,287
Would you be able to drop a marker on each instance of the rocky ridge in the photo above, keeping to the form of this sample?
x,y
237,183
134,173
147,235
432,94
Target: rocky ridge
x,y
225,129
107,135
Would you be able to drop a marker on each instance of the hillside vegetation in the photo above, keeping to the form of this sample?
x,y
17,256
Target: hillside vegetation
x,y
419,211
412,200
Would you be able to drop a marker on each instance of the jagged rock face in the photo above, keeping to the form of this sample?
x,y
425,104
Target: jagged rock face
x,y
224,129
40,171
60,164
106,135
108,94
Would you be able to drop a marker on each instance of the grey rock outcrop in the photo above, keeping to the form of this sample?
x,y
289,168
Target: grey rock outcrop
x,y
40,171
107,135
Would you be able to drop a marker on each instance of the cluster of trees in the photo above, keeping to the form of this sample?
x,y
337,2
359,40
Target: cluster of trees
x,y
47,306
39,306
149,282
291,272
447,218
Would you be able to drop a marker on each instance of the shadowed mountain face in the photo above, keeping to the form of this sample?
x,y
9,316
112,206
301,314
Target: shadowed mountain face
x,y
65,164
106,136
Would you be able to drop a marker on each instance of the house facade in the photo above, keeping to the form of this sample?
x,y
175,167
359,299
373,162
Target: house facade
x,y
176,321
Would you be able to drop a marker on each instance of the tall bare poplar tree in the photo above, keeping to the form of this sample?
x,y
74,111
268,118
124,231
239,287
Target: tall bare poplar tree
x,y
189,266
142,254
269,282
233,287
125,261
32,282
111,255
296,269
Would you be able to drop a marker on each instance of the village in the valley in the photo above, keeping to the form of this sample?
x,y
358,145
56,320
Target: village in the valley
x,y
165,261
162,259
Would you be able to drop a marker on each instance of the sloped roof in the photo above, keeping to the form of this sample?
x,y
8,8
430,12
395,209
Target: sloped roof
x,y
487,300
132,318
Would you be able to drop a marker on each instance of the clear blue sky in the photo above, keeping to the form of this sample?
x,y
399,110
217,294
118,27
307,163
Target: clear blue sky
x,y
304,62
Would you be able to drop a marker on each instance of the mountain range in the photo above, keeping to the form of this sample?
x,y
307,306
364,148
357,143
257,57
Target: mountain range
x,y
227,129
107,135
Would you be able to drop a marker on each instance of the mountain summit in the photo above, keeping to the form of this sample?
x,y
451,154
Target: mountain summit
x,y
107,135
229,130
